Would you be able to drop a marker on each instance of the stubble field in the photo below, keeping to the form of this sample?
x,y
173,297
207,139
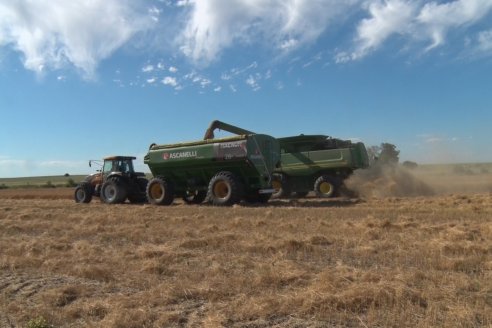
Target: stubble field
x,y
374,260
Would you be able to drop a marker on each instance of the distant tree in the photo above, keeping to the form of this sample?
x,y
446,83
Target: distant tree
x,y
388,154
3,186
66,175
410,165
373,153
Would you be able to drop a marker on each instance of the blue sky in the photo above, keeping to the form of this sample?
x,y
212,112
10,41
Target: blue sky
x,y
84,79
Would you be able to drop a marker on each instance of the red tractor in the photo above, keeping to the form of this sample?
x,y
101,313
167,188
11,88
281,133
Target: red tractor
x,y
114,183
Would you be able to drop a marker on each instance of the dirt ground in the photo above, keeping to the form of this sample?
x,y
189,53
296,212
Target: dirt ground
x,y
345,262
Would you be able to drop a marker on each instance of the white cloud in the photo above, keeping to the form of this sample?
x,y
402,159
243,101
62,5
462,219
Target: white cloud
x,y
53,33
152,80
414,21
171,81
485,41
148,68
173,69
253,83
283,24
218,89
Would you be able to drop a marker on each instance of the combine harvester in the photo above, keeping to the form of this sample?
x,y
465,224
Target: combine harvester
x,y
316,163
225,170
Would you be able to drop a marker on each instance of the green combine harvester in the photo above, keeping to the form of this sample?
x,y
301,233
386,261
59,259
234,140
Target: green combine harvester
x,y
224,170
316,163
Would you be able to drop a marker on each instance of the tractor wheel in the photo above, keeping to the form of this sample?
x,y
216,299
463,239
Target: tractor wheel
x,y
224,189
195,197
281,186
160,191
83,193
326,186
139,194
114,191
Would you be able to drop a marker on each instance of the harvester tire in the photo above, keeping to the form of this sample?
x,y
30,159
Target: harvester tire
x,y
195,197
326,186
114,191
281,185
83,193
139,195
224,189
160,191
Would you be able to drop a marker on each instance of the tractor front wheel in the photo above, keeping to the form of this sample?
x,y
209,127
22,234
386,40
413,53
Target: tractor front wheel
x,y
83,193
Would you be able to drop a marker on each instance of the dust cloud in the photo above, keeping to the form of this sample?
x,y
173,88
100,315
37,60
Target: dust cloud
x,y
387,180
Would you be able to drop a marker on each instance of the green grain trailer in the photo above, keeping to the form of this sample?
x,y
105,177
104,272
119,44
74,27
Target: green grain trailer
x,y
225,170
316,162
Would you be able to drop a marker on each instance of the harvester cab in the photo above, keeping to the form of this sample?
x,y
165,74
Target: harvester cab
x,y
114,183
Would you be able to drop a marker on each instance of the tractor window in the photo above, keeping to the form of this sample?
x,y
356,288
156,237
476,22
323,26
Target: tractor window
x,y
108,166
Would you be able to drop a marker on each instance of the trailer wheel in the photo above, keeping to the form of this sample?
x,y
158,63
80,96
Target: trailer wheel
x,y
326,186
83,193
281,186
160,192
114,191
139,194
224,189
195,197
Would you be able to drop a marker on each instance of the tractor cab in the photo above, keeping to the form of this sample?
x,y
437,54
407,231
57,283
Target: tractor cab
x,y
118,164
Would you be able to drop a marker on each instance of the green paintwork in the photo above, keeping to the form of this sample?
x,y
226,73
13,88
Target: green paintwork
x,y
191,165
304,158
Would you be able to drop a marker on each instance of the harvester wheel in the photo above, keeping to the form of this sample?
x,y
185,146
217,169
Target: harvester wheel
x,y
139,194
281,186
224,189
160,191
83,193
114,191
195,197
326,186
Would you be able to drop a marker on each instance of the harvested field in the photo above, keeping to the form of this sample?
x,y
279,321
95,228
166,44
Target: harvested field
x,y
416,261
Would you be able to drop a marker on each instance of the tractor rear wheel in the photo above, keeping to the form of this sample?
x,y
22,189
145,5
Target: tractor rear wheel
x,y
224,189
138,195
83,193
326,186
160,191
114,191
281,186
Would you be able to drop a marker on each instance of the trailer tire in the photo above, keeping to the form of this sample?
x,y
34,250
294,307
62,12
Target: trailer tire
x,y
83,193
195,197
326,186
224,189
281,185
114,191
160,191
